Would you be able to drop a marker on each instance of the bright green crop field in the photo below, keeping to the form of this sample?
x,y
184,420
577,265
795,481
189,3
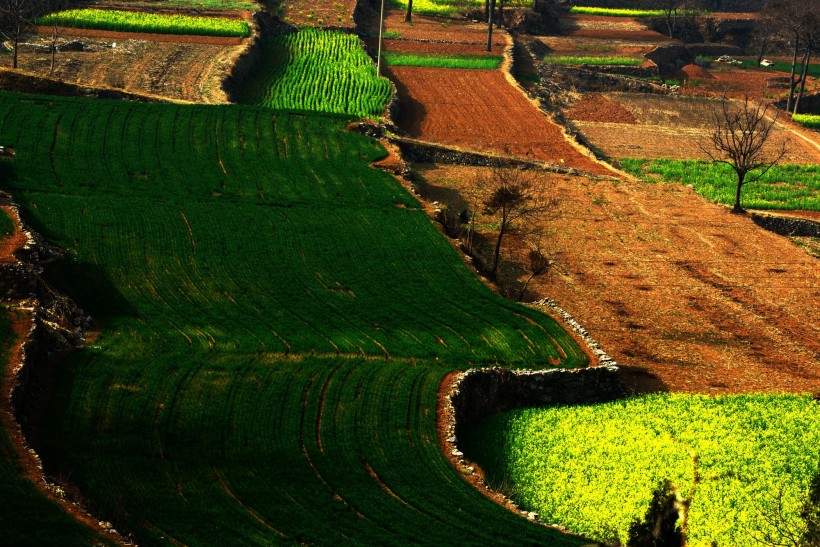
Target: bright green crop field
x,y
450,7
276,319
809,120
318,70
130,21
476,62
788,187
593,60
593,468
616,12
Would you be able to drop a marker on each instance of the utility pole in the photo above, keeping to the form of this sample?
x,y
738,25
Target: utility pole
x,y
379,55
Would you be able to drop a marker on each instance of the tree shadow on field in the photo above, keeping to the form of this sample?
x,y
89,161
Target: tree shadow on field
x,y
90,287
411,112
639,381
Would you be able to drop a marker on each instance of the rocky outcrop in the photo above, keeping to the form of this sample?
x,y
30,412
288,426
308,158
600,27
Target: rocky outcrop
x,y
670,58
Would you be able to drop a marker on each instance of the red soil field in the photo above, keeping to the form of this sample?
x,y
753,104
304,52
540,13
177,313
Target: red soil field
x,y
479,109
669,127
594,107
682,293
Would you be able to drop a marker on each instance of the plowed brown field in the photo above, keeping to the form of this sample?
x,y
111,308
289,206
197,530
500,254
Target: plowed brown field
x,y
668,127
687,295
479,109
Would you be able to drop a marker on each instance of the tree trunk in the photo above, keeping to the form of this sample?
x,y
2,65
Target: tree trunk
x,y
497,252
14,59
487,8
409,15
803,76
737,208
490,27
791,76
762,50
500,14
524,288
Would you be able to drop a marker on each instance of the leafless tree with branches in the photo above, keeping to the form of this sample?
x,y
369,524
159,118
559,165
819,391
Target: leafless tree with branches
x,y
514,197
738,137
16,18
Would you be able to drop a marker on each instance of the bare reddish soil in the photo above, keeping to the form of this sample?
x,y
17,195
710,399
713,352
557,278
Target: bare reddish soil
x,y
479,109
429,29
594,107
440,48
687,295
671,127
185,71
323,14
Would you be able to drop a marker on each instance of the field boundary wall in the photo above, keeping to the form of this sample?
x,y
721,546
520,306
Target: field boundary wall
x,y
787,226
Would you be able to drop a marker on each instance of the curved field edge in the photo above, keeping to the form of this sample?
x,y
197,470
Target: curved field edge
x,y
28,517
276,317
593,468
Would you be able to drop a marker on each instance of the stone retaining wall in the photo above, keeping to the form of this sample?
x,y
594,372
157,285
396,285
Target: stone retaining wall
x,y
788,226
481,393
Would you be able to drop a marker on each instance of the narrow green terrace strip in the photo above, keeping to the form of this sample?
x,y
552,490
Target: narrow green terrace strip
x,y
593,468
318,70
451,7
616,12
592,60
276,318
128,21
808,120
790,187
478,62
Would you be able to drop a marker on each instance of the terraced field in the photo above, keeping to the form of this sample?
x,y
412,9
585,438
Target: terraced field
x,y
317,70
276,317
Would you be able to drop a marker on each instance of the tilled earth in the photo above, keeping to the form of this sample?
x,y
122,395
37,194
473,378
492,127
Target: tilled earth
x,y
624,125
686,295
185,71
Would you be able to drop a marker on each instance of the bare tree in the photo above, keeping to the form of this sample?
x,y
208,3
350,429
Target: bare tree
x,y
678,14
514,197
738,138
16,18
796,22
